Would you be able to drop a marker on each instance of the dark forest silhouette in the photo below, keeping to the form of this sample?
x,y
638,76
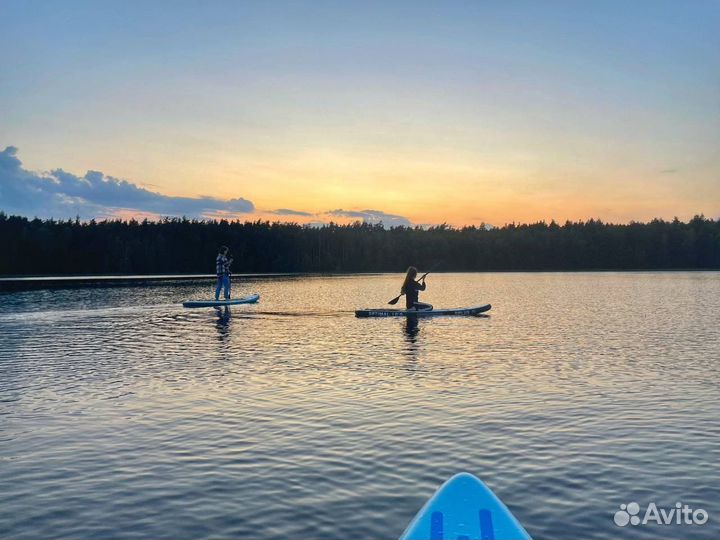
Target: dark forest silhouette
x,y
178,245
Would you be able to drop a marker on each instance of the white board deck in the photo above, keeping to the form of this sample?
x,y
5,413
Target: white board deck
x,y
250,299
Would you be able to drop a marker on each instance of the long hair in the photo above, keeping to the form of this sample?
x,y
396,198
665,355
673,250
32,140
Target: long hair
x,y
409,277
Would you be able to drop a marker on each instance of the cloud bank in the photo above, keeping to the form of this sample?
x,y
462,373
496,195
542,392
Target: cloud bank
x,y
290,212
318,219
373,216
61,194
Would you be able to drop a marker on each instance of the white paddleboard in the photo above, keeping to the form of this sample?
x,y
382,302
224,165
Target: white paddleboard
x,y
250,299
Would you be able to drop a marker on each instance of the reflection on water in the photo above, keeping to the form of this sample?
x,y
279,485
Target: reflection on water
x,y
223,322
411,328
124,415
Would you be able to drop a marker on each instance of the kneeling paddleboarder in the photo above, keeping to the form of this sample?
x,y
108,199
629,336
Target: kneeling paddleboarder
x,y
411,289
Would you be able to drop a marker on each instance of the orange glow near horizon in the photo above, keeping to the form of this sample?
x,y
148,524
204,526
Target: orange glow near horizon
x,y
438,189
426,188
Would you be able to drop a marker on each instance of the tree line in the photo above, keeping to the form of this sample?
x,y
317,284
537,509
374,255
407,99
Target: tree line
x,y
180,245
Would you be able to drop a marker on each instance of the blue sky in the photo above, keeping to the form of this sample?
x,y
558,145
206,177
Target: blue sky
x,y
426,111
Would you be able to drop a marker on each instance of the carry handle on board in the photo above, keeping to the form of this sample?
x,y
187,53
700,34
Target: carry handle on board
x,y
395,300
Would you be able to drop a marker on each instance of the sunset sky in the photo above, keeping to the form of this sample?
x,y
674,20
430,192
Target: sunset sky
x,y
405,112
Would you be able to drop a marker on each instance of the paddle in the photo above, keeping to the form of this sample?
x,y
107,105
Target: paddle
x,y
397,298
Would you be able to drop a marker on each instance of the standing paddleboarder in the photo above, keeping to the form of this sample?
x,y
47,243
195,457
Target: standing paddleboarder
x,y
411,289
222,268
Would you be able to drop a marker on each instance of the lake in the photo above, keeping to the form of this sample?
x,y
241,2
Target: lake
x,y
124,415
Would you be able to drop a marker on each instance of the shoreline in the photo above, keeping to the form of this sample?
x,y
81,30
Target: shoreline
x,y
14,283
137,278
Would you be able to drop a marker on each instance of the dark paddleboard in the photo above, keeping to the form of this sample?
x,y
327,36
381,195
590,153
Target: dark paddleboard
x,y
421,313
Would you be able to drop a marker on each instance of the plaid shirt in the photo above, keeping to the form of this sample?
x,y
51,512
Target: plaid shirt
x,y
222,265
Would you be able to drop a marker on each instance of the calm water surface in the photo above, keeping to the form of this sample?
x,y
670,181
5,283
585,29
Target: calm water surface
x,y
123,415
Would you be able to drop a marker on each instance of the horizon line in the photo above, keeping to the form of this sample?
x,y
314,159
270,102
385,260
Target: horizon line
x,y
359,222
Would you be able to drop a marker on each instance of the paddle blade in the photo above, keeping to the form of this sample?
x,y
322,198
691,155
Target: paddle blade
x,y
394,300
